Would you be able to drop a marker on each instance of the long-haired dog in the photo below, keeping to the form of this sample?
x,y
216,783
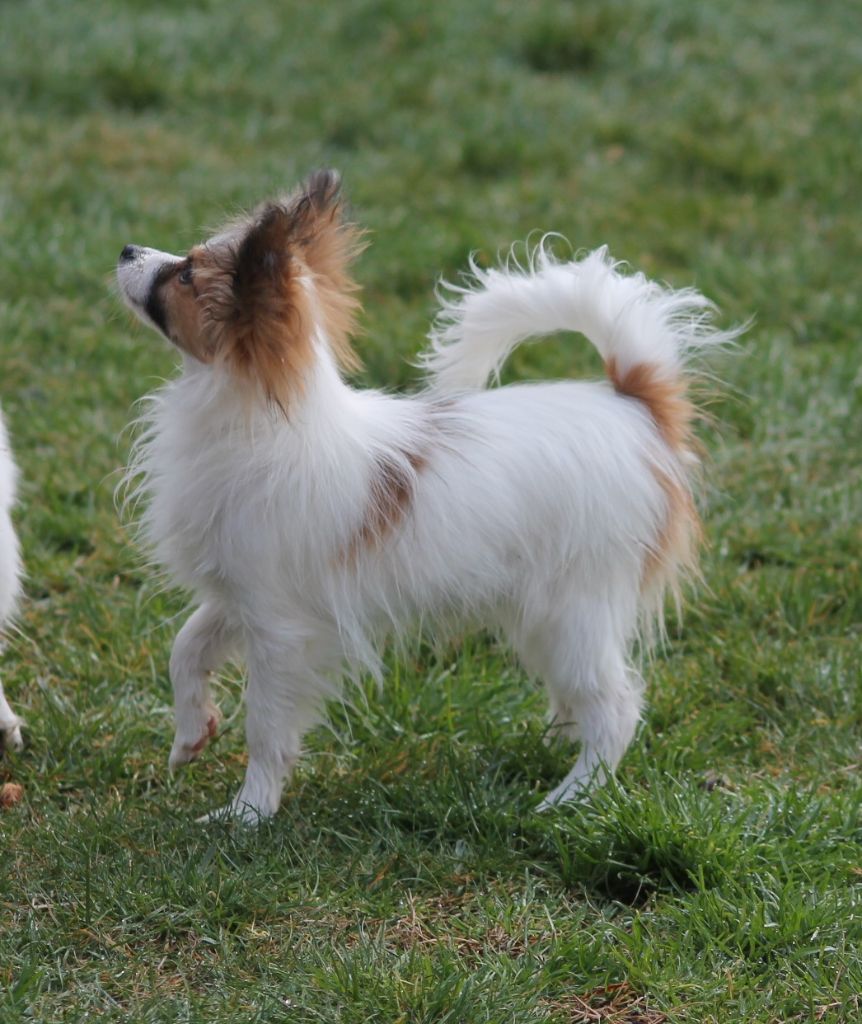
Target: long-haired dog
x,y
311,519
10,572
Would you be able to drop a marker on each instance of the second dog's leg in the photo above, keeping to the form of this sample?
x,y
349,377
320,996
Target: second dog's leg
x,y
201,647
10,723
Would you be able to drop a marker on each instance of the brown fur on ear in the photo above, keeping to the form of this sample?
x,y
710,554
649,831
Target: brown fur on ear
x,y
259,307
267,328
328,245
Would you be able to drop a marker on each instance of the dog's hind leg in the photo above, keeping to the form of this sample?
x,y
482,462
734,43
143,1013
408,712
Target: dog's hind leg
x,y
10,724
605,720
581,653
201,647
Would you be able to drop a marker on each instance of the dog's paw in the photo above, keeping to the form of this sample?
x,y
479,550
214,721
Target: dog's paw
x,y
10,734
567,792
191,738
586,775
241,813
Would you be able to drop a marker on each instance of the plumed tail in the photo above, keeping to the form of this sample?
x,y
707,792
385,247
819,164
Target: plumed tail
x,y
629,319
645,333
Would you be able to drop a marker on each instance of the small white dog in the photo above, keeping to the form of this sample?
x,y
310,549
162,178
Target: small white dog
x,y
10,572
310,519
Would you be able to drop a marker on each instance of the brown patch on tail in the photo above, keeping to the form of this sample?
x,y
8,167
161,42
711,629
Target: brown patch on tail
x,y
664,396
675,547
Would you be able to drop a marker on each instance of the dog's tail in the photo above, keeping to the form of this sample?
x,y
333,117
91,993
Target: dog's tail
x,y
645,333
639,328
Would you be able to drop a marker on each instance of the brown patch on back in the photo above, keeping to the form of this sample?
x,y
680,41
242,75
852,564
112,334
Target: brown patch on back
x,y
675,549
389,500
393,484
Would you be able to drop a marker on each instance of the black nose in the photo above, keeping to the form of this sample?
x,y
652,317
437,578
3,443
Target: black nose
x,y
129,253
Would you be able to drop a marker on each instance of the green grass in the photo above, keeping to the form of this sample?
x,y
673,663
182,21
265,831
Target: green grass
x,y
407,878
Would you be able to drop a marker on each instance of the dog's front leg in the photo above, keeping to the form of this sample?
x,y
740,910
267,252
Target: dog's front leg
x,y
201,647
282,699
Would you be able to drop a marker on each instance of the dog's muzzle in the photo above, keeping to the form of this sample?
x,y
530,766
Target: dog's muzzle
x,y
130,253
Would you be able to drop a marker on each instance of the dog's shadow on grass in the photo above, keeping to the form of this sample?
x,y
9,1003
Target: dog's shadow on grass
x,y
437,817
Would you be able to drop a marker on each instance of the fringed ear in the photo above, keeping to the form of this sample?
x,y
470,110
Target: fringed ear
x,y
328,244
262,257
285,275
269,340
314,203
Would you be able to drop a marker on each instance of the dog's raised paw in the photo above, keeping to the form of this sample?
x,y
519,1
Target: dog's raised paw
x,y
188,745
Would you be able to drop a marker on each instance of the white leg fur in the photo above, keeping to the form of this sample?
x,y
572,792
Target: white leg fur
x,y
10,724
606,724
580,652
10,571
279,711
201,647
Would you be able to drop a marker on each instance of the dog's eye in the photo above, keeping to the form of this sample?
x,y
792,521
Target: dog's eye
x,y
185,275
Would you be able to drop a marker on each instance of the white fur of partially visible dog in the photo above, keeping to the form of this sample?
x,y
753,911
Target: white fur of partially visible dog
x,y
311,519
10,571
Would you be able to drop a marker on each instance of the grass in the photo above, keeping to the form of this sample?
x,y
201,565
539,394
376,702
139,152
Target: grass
x,y
407,878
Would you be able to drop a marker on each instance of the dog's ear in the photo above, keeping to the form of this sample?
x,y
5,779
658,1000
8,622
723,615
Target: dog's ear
x,y
302,229
262,260
315,207
268,340
289,277
327,244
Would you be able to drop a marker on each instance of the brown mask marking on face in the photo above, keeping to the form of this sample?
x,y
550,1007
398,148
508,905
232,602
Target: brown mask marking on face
x,y
183,306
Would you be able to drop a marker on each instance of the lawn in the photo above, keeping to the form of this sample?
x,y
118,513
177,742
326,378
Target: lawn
x,y
407,878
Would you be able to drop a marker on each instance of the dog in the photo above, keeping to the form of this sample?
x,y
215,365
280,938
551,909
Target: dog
x,y
311,519
10,576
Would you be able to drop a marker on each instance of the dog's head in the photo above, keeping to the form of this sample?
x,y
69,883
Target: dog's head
x,y
260,298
